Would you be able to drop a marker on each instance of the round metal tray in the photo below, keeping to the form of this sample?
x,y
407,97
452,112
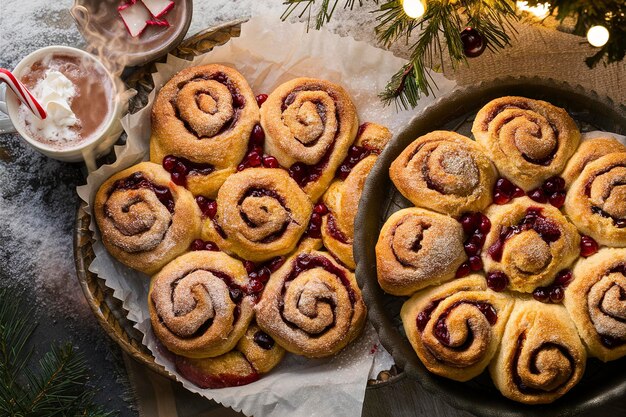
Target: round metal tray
x,y
602,382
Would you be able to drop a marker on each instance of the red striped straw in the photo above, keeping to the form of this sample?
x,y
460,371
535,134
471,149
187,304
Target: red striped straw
x,y
22,92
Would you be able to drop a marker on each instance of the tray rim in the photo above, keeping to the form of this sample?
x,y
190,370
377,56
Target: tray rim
x,y
366,264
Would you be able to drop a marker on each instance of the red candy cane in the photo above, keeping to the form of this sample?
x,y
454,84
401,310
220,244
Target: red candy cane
x,y
22,92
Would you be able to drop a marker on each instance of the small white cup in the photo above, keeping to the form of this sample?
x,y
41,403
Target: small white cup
x,y
99,142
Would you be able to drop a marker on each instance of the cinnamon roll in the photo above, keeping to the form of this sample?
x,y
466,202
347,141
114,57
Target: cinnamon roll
x,y
456,328
445,172
201,123
596,301
312,305
596,201
201,304
309,125
417,248
256,354
145,220
541,356
343,196
261,213
589,151
528,140
529,243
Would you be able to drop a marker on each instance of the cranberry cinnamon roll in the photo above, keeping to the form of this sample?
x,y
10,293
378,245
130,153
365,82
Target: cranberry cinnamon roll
x,y
528,140
261,213
309,125
417,248
201,304
312,305
529,243
256,354
456,328
596,201
589,151
541,356
145,220
445,172
201,122
596,301
343,195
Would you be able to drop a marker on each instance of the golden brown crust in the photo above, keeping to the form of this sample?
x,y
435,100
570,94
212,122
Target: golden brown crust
x,y
596,201
538,247
596,302
541,356
306,118
195,117
136,227
261,214
312,305
589,151
417,248
455,328
191,307
343,196
528,140
445,172
242,365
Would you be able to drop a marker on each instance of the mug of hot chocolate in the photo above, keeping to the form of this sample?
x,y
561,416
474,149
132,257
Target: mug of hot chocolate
x,y
80,98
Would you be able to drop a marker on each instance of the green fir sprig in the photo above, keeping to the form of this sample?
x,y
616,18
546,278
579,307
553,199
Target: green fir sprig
x,y
57,387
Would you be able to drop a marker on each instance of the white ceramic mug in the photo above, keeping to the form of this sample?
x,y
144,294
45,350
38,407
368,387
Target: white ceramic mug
x,y
99,142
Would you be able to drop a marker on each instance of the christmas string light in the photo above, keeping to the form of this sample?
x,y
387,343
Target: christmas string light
x,y
414,8
541,10
598,36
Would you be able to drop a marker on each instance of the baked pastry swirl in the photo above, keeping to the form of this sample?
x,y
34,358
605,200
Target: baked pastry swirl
x,y
528,140
343,195
589,151
309,125
417,248
256,354
145,220
203,117
201,304
445,172
596,301
261,214
541,356
312,305
530,243
456,328
596,201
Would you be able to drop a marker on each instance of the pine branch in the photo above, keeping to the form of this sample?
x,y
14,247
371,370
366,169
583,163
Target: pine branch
x,y
323,14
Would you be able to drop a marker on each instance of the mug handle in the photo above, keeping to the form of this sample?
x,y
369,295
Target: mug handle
x,y
6,126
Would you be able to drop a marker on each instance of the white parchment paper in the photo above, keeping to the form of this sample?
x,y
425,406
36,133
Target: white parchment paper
x,y
268,53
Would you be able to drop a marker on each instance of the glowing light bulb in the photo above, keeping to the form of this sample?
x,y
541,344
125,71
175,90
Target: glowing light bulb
x,y
541,10
414,8
598,36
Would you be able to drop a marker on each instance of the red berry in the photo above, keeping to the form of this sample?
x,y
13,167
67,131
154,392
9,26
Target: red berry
x,y
588,246
211,209
497,281
254,159
556,294
538,195
500,198
258,135
469,223
563,278
181,168
202,201
179,179
518,193
260,99
477,239
557,199
505,186
471,248
476,264
169,162
256,286
212,246
620,223
197,244
238,100
541,294
241,167
554,184
250,266
320,208
270,162
315,230
264,274
485,224
464,270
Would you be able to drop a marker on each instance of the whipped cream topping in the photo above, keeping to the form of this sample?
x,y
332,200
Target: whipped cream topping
x,y
55,93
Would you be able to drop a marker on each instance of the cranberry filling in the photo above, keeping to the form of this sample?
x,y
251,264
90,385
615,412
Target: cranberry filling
x,y
315,224
260,99
497,281
180,168
207,206
137,180
355,155
206,380
476,225
619,223
523,388
441,329
334,231
533,220
304,174
423,316
200,244
264,340
552,190
588,246
555,292
260,274
504,191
